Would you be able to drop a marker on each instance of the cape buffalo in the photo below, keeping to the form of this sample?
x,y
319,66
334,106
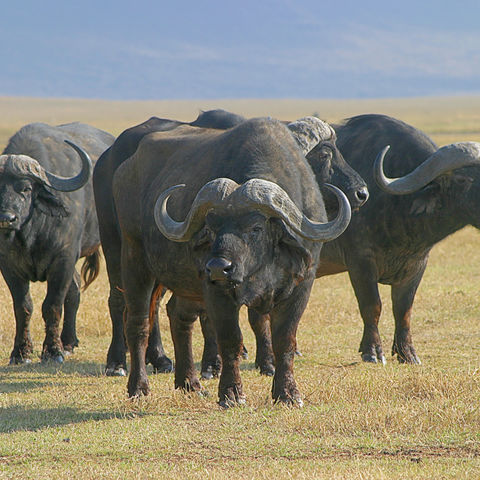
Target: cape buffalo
x,y
388,241
47,222
324,158
253,229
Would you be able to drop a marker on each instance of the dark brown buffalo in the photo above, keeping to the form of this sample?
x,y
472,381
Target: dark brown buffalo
x,y
48,222
324,158
247,239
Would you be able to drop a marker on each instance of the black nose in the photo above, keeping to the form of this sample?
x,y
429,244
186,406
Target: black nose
x,y
7,218
219,268
362,195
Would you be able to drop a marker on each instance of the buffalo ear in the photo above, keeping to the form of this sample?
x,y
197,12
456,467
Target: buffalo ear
x,y
295,258
428,199
49,204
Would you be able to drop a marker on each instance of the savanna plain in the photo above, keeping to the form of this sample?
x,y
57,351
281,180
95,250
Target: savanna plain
x,y
360,421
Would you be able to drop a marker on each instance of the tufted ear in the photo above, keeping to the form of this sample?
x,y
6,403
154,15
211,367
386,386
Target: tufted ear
x,y
49,204
427,200
431,197
296,259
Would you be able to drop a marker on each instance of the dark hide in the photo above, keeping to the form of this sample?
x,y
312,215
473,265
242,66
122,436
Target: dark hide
x,y
50,232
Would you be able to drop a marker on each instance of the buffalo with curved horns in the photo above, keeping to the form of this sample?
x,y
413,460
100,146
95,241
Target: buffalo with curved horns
x,y
254,223
47,222
324,158
421,195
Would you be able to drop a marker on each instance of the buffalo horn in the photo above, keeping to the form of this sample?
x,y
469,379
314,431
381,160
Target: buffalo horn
x,y
25,166
445,159
211,194
63,184
274,201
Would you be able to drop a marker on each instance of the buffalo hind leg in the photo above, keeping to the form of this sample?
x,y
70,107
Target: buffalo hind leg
x,y
364,281
182,314
59,281
71,304
402,302
23,309
155,352
138,284
117,351
264,359
211,361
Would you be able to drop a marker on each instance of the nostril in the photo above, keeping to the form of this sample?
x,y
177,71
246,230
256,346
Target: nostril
x,y
7,217
362,194
218,268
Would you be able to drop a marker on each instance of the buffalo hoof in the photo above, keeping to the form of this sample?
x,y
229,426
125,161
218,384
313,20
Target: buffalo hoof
x,y
244,353
162,365
268,370
116,371
211,367
369,358
412,359
53,358
137,389
289,400
405,352
209,373
19,361
229,403
232,396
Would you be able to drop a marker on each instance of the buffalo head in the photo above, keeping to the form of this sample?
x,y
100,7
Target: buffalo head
x,y
247,229
26,185
449,180
318,141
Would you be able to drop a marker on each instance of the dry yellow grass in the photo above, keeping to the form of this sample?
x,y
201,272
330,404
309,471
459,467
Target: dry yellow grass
x,y
359,421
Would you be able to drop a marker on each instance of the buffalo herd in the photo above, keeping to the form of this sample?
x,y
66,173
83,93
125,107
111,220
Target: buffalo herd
x,y
225,212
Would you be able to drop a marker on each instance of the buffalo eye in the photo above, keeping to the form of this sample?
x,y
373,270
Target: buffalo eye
x,y
462,180
254,231
24,187
325,154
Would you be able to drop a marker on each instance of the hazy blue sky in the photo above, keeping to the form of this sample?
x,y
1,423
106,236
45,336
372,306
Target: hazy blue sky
x,y
249,49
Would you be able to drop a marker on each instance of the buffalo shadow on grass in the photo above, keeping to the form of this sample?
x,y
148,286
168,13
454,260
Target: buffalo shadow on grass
x,y
70,366
8,385
19,418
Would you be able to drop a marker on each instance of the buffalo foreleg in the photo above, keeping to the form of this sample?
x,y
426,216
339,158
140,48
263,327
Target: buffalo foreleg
x,y
59,280
182,314
23,308
225,316
284,322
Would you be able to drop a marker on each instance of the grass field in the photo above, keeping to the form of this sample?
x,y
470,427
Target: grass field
x,y
359,421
